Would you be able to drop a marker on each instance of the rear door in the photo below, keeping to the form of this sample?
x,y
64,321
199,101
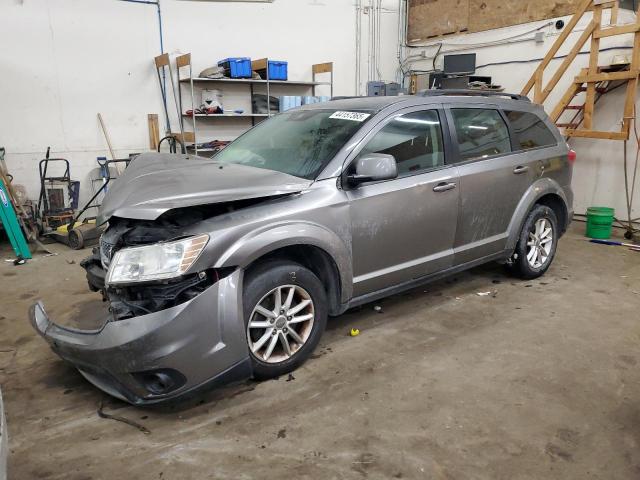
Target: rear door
x,y
494,175
404,228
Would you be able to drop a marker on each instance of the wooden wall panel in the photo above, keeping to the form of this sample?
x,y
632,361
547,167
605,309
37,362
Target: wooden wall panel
x,y
430,18
488,14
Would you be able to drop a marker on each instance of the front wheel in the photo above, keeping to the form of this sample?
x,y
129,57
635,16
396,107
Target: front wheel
x,y
536,245
285,310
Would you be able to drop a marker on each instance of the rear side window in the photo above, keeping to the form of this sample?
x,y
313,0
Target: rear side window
x,y
530,130
414,139
481,133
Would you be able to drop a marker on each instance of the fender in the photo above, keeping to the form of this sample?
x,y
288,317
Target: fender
x,y
539,189
271,237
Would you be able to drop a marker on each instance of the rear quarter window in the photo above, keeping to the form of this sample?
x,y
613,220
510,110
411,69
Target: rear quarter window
x,y
530,130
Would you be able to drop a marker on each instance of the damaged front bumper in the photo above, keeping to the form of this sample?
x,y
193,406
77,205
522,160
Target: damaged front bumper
x,y
161,355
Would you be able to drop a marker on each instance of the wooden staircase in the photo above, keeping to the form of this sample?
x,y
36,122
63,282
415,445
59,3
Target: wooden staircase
x,y
594,81
572,126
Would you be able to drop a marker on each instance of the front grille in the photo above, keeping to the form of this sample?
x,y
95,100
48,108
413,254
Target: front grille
x,y
106,252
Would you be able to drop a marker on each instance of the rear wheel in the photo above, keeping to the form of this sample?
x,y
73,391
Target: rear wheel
x,y
537,244
285,311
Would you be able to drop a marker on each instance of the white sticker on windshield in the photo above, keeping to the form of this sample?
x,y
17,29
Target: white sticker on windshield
x,y
353,116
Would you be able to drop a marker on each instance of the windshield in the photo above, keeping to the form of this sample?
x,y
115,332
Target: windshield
x,y
299,143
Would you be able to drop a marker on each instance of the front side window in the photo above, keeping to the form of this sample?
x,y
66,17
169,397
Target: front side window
x,y
481,133
530,130
300,143
414,139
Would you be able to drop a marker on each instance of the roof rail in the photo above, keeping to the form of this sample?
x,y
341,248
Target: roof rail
x,y
471,93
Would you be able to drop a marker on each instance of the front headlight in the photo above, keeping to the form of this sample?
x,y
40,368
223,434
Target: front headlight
x,y
155,262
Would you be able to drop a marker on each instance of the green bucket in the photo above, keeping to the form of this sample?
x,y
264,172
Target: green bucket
x,y
600,222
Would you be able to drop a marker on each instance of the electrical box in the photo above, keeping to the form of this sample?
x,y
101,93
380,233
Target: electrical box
x,y
383,89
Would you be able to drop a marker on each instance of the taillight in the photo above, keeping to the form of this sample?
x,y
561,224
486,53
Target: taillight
x,y
571,156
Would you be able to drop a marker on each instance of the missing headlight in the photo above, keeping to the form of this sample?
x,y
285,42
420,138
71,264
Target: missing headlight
x,y
136,300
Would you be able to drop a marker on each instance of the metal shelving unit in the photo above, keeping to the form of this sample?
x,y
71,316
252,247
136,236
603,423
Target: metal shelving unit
x,y
190,83
253,81
219,116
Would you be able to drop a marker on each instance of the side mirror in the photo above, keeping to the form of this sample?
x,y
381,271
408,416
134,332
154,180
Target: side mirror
x,y
374,167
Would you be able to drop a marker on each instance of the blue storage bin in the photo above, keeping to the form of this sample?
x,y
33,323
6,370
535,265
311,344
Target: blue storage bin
x,y
310,100
290,101
237,67
278,70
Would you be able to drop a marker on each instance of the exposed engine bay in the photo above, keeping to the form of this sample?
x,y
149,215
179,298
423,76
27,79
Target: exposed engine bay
x,y
141,299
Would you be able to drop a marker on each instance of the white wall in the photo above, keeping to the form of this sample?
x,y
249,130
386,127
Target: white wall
x,y
63,61
598,174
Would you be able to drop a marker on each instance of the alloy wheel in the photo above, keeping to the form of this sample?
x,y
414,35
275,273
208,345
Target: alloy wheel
x,y
540,243
280,324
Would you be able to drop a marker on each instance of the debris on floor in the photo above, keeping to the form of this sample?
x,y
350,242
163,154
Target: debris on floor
x,y
354,332
378,308
493,294
117,418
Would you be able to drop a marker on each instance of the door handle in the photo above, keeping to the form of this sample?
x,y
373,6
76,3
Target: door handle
x,y
520,169
444,187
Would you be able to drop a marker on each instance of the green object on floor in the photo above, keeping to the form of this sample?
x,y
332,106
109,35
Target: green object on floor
x,y
600,222
11,225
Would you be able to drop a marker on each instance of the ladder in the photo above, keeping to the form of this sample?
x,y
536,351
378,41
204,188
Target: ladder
x,y
11,224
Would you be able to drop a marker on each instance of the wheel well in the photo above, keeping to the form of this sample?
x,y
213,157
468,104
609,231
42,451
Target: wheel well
x,y
318,261
555,203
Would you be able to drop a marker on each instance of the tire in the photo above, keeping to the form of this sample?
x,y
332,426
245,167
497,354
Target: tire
x,y
260,288
524,263
76,239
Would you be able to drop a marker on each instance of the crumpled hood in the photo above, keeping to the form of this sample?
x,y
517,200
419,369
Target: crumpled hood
x,y
154,183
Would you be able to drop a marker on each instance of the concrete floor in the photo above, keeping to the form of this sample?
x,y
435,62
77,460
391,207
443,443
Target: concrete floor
x,y
541,381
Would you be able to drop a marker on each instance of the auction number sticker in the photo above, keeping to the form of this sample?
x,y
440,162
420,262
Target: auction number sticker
x,y
353,116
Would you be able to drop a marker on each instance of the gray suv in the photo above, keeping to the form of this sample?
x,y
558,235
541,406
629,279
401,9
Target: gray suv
x,y
223,269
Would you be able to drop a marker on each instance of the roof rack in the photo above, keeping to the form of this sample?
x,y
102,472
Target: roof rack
x,y
471,93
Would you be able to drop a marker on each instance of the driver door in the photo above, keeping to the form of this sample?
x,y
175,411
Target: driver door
x,y
403,229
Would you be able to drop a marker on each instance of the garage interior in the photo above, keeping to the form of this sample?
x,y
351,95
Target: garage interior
x,y
478,375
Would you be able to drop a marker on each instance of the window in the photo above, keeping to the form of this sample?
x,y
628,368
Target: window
x,y
297,142
414,139
530,130
481,133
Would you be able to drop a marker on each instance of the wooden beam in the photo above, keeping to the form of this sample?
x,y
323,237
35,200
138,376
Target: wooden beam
x,y
183,60
632,85
568,60
162,60
619,30
537,91
614,14
582,8
260,64
607,77
322,67
590,98
571,92
595,134
154,131
189,137
601,4
626,128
